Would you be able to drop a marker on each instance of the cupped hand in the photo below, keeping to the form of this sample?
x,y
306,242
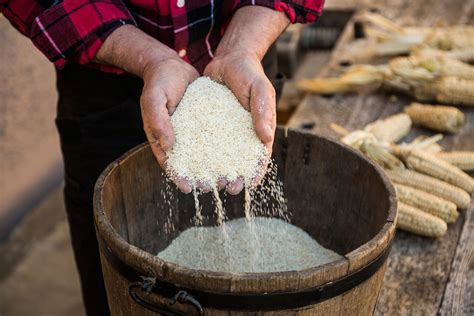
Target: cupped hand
x,y
164,85
243,74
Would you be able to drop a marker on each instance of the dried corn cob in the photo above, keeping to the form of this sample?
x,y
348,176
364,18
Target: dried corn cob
x,y
450,90
432,185
454,90
448,38
462,54
380,155
357,77
431,165
450,67
418,222
427,202
429,68
441,118
390,129
464,160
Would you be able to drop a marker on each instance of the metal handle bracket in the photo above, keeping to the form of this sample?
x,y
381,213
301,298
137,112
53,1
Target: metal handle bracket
x,y
147,285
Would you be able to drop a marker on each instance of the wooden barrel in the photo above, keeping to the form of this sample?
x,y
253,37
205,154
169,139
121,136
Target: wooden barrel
x,y
336,195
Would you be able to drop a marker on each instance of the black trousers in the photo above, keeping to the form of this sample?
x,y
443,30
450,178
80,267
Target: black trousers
x,y
98,119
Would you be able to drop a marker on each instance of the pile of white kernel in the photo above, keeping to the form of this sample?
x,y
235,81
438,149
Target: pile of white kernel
x,y
215,137
259,245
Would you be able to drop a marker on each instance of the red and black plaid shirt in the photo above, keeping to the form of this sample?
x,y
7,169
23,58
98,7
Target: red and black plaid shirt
x,y
73,30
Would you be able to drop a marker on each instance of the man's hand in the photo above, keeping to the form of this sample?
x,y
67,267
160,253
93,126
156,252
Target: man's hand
x,y
243,74
164,84
165,78
237,63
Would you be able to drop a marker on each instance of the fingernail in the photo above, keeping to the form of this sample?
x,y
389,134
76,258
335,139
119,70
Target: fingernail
x,y
234,188
184,186
185,189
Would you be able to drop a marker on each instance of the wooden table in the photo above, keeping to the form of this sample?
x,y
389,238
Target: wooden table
x,y
424,276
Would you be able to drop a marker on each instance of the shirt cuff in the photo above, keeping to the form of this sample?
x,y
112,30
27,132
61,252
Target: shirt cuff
x,y
74,30
298,11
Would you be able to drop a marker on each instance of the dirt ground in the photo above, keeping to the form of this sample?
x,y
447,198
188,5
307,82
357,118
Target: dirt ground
x,y
37,271
30,159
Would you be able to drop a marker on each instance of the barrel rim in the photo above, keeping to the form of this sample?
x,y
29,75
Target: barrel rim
x,y
151,265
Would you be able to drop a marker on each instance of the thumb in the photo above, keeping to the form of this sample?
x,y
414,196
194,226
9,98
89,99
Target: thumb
x,y
263,109
156,115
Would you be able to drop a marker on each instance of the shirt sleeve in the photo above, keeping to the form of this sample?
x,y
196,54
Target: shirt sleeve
x,y
298,11
68,30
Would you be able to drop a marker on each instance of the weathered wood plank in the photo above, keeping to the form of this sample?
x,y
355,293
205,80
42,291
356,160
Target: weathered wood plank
x,y
421,272
418,270
291,96
469,295
455,301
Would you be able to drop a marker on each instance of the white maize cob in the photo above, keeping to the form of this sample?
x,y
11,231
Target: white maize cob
x,y
454,90
418,222
464,160
432,185
429,164
441,118
430,68
427,202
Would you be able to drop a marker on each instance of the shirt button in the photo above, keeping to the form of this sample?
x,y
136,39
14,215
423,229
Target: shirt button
x,y
180,3
182,53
